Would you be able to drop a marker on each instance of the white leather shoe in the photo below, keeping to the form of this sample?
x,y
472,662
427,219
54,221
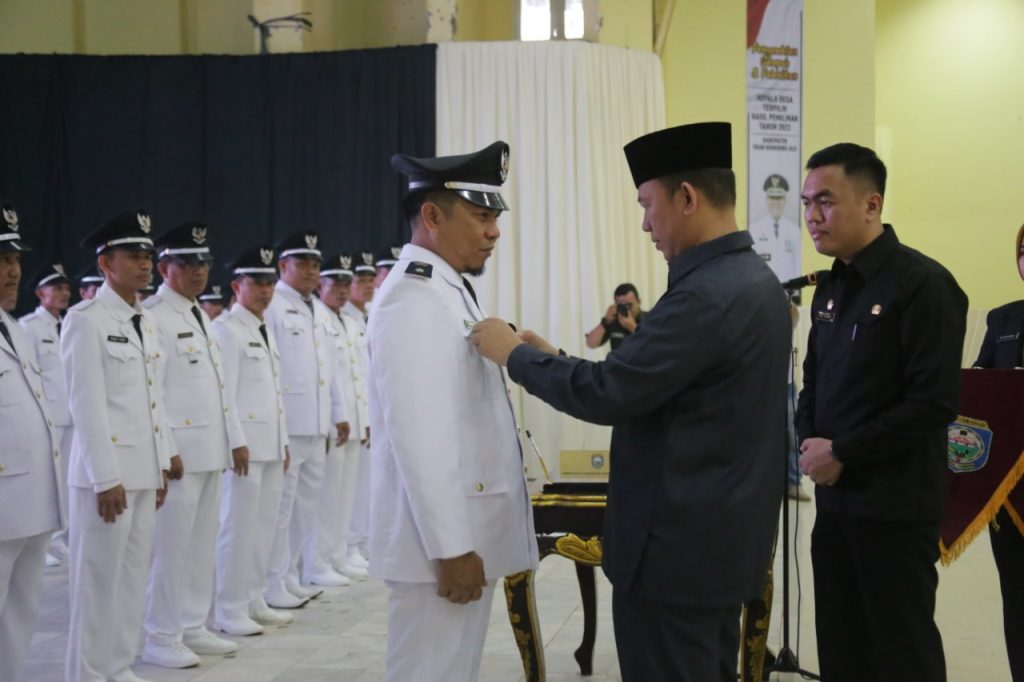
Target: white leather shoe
x,y
268,616
202,641
328,578
279,598
353,572
300,591
356,558
169,654
239,627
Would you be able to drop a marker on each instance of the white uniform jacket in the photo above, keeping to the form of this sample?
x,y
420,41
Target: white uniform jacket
x,y
31,500
447,469
350,347
251,372
310,385
41,328
115,394
204,430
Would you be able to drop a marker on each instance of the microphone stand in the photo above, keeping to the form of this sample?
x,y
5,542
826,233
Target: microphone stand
x,y
786,660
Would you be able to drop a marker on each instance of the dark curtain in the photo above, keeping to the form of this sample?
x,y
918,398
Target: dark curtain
x,y
255,146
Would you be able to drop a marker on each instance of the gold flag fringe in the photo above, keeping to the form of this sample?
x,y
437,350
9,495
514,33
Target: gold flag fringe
x,y
950,554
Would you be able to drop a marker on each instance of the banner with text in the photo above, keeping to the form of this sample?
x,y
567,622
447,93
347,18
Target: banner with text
x,y
774,84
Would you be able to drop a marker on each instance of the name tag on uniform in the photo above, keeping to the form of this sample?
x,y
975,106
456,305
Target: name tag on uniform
x,y
118,339
255,344
292,311
185,335
1008,337
825,316
47,340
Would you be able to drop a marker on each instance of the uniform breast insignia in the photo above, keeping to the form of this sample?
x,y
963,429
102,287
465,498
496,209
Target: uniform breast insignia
x,y
424,270
255,344
185,335
292,311
117,339
47,340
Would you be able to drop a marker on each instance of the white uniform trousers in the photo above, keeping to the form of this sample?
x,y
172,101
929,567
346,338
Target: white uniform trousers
x,y
299,497
431,639
65,434
180,590
21,582
327,542
107,581
248,516
359,527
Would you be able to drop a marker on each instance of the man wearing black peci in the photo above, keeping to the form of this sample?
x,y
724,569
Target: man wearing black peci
x,y
697,399
881,384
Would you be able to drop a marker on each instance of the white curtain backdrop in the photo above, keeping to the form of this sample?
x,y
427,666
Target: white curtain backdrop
x,y
573,232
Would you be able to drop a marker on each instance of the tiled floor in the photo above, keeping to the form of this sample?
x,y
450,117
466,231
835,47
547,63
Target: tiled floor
x,y
341,636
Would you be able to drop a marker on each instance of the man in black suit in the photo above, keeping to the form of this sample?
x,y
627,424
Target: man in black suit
x,y
1002,349
881,384
697,399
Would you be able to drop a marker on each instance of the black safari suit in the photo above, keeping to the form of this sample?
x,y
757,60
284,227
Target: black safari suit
x,y
697,399
1002,349
882,382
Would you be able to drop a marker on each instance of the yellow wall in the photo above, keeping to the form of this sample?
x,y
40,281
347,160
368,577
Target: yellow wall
x,y
949,113
705,76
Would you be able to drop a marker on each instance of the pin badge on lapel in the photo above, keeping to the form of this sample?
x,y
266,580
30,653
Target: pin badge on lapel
x,y
876,309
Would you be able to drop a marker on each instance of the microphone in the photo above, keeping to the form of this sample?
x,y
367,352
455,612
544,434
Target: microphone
x,y
808,280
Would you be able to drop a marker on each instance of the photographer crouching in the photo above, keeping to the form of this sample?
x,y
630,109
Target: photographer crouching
x,y
621,319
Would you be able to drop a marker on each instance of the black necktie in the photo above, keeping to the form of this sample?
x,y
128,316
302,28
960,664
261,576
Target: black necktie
x,y
199,318
7,336
263,332
776,224
469,288
58,328
137,323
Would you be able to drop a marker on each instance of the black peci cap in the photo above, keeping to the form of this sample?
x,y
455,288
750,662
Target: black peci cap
x,y
686,147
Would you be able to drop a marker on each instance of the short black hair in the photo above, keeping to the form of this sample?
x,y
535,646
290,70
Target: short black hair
x,y
717,184
414,200
857,162
627,288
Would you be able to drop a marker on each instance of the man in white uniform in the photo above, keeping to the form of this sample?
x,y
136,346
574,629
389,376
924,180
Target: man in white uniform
x,y
120,454
31,502
53,289
208,437
88,282
250,501
324,557
776,237
312,403
356,313
212,301
450,514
